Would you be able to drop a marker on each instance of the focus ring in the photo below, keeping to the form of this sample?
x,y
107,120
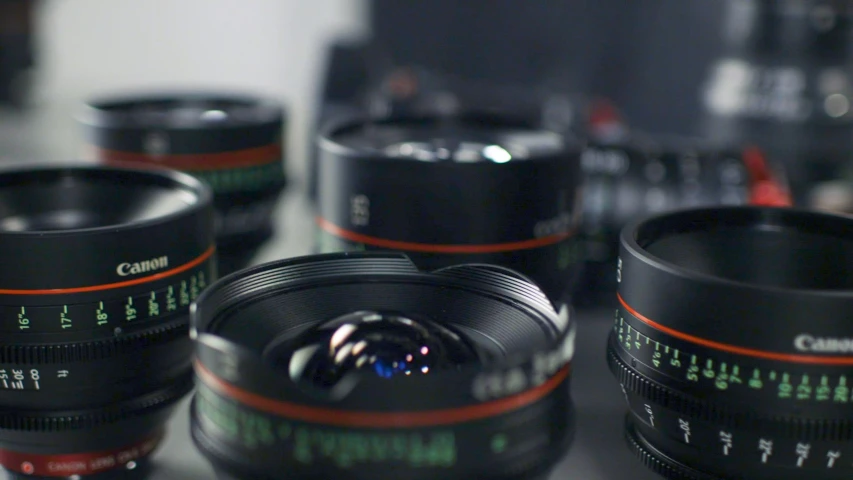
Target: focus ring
x,y
89,351
831,430
100,416
655,464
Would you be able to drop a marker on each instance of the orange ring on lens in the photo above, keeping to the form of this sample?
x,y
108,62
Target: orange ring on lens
x,y
109,286
342,418
725,347
191,162
439,248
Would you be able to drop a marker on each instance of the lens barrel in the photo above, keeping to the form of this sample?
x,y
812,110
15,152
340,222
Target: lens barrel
x,y
234,143
635,178
99,266
732,344
360,366
451,190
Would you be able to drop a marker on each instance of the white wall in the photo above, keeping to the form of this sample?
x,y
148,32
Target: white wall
x,y
269,46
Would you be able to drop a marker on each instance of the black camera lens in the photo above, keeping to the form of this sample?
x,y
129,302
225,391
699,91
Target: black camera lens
x,y
783,82
359,366
450,190
99,266
231,142
732,344
636,177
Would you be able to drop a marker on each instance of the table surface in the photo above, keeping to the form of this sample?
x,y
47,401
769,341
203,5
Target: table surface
x,y
599,451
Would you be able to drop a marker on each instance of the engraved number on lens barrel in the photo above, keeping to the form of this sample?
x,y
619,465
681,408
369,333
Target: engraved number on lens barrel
x,y
360,210
725,376
106,313
726,440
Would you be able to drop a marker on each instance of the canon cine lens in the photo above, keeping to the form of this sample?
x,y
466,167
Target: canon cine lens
x,y
99,266
732,342
639,176
233,142
359,366
451,190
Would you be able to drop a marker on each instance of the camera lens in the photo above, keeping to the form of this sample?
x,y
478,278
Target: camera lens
x,y
633,178
450,190
732,344
783,82
360,366
231,142
99,268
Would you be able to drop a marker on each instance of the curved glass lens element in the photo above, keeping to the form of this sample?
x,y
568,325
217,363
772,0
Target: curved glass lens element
x,y
384,343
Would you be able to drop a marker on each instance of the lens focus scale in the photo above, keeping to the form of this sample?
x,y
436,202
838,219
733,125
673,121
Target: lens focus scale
x,y
506,418
735,369
90,369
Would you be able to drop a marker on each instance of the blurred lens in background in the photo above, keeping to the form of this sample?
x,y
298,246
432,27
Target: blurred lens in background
x,y
16,49
633,177
450,190
784,82
233,143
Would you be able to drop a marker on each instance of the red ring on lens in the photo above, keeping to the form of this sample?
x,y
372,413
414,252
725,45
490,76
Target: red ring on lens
x,y
194,162
440,248
725,347
343,418
88,463
109,286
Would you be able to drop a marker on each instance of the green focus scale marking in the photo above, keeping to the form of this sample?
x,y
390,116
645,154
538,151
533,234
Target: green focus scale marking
x,y
310,444
252,178
168,297
704,368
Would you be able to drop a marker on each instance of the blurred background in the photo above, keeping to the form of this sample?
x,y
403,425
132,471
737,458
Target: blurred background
x,y
765,84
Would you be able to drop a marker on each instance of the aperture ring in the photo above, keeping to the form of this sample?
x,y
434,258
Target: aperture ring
x,y
722,414
82,420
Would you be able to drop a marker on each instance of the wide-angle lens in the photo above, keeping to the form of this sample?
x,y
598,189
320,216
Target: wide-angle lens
x,y
359,366
234,143
99,266
732,342
462,189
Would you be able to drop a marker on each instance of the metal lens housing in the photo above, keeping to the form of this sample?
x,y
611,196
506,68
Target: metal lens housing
x,y
732,342
360,366
451,190
232,142
99,266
